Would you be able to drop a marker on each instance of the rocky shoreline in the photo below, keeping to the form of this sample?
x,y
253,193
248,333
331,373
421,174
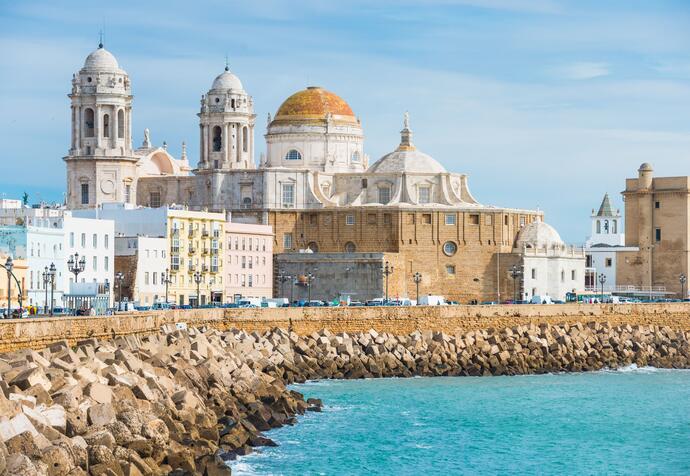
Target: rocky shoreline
x,y
185,401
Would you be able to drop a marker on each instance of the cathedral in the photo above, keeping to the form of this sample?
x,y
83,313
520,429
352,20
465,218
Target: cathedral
x,y
315,185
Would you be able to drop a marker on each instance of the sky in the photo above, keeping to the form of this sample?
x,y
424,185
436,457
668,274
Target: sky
x,y
545,104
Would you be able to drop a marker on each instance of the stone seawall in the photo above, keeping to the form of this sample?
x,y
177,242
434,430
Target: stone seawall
x,y
37,333
180,402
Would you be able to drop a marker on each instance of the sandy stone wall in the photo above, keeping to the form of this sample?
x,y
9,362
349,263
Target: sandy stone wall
x,y
37,333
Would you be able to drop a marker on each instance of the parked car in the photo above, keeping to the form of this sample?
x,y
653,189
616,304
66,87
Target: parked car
x,y
356,303
60,311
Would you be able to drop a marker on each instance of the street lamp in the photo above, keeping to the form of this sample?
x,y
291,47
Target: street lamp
x,y
119,279
46,279
52,271
167,280
602,280
515,273
683,279
417,279
387,270
8,266
197,280
310,278
76,265
283,278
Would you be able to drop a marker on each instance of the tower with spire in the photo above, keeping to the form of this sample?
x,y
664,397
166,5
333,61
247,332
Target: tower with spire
x,y
607,225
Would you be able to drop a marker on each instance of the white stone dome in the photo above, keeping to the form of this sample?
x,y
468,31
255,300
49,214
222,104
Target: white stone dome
x,y
227,80
538,235
409,161
101,60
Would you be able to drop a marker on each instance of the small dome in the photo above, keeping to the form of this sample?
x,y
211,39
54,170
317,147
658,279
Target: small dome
x,y
409,161
227,80
101,60
646,167
314,103
538,235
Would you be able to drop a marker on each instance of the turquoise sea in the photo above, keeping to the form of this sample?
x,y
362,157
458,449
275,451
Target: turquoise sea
x,y
630,421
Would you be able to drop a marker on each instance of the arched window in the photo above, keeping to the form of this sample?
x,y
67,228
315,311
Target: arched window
x,y
217,139
88,122
121,124
598,226
106,125
245,139
293,155
355,156
350,247
246,202
614,226
606,227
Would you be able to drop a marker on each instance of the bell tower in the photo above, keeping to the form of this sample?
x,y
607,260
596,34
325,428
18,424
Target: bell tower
x,y
101,166
226,126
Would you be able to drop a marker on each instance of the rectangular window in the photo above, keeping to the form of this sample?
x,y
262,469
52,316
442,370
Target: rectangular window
x,y
426,218
349,219
94,240
155,277
505,220
609,262
384,195
128,193
244,280
411,218
146,277
244,262
85,194
249,280
175,262
365,183
71,239
250,262
489,220
657,234
573,275
155,199
522,221
105,241
386,218
371,218
424,194
474,219
312,219
534,273
287,241
105,263
95,263
263,244
450,218
83,240
288,195
657,205
450,269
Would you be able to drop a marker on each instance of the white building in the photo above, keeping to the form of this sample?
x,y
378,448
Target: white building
x,y
603,245
145,257
550,267
92,239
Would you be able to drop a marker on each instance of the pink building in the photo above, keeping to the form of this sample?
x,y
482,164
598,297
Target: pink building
x,y
248,261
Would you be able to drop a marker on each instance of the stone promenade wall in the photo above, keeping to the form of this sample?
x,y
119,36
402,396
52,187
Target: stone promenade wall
x,y
38,333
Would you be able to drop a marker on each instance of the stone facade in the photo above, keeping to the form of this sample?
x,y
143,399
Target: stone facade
x,y
656,224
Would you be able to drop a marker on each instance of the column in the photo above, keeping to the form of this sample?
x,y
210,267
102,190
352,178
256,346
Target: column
x,y
251,144
114,129
226,144
201,146
74,131
97,126
238,145
205,134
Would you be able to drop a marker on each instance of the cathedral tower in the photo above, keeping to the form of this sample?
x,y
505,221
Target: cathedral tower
x,y
226,126
100,165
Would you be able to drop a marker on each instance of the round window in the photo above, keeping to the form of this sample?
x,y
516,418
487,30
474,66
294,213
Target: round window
x,y
217,100
450,248
350,247
88,79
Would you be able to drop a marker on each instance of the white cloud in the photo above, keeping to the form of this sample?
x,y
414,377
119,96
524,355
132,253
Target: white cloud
x,y
581,70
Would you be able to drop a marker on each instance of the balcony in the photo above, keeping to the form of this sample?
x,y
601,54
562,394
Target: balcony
x,y
214,251
174,267
191,268
175,232
214,269
174,249
204,268
204,251
192,250
204,233
191,233
216,233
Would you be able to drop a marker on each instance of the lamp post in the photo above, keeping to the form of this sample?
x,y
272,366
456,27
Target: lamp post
x,y
683,279
283,278
166,279
46,279
515,273
387,270
52,271
9,264
119,279
602,280
76,265
417,279
310,278
197,280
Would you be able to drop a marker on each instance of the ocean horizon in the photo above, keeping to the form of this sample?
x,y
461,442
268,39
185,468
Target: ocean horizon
x,y
625,421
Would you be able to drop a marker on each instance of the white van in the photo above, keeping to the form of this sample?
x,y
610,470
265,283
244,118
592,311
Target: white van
x,y
430,300
541,300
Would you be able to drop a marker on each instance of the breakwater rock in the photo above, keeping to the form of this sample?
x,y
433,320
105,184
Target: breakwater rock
x,y
180,401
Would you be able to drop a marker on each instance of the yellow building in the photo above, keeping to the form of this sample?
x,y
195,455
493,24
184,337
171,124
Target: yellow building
x,y
19,270
196,254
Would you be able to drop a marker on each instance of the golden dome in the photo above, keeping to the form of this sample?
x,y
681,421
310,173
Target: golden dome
x,y
314,103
